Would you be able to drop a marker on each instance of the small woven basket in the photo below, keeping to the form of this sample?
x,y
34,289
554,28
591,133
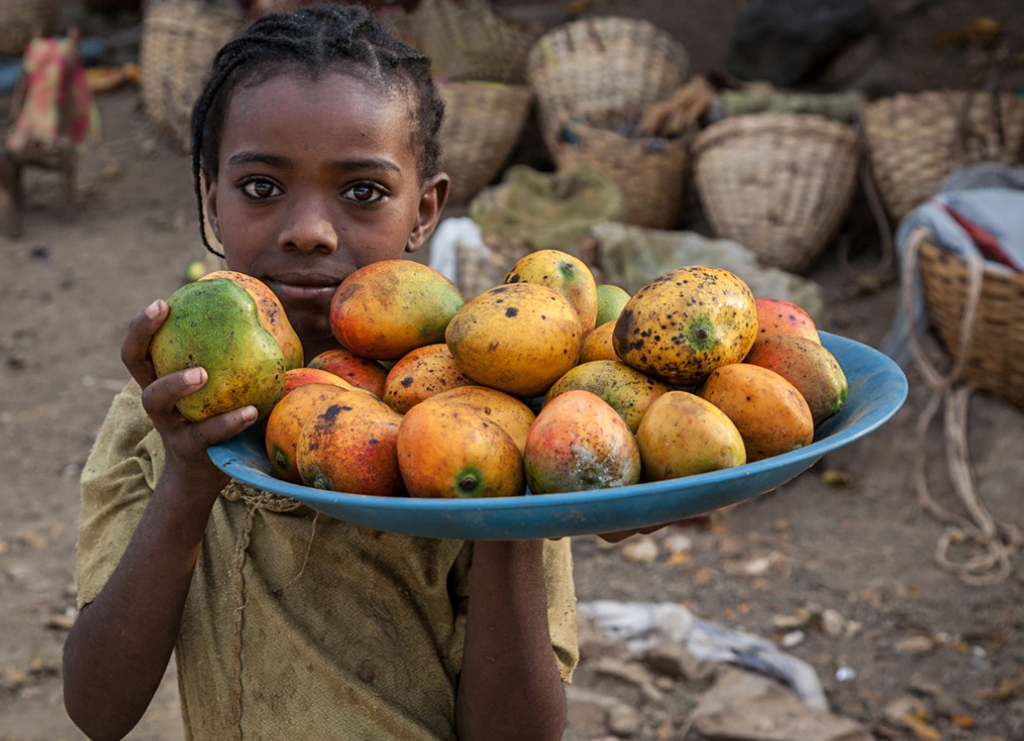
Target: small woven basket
x,y
995,362
778,183
482,124
21,20
650,172
179,41
915,140
601,64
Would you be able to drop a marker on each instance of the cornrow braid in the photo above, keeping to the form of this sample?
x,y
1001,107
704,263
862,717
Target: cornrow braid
x,y
317,40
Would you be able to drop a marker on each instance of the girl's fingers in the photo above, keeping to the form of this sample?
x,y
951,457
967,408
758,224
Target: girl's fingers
x,y
161,395
221,428
135,350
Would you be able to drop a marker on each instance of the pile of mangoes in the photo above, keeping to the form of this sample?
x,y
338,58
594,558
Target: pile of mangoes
x,y
547,381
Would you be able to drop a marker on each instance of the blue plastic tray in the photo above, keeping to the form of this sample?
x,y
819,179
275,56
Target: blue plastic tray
x,y
878,389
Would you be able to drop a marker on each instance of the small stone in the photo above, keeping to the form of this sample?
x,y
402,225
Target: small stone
x,y
623,720
675,660
832,623
898,710
641,549
913,645
678,543
789,622
793,638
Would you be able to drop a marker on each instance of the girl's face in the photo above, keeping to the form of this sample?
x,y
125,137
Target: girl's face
x,y
317,179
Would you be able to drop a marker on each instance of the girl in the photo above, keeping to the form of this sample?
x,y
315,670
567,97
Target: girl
x,y
315,149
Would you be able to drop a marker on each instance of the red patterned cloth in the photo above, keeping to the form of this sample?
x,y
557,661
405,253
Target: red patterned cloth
x,y
38,121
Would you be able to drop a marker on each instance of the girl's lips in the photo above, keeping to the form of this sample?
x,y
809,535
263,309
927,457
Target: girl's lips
x,y
302,289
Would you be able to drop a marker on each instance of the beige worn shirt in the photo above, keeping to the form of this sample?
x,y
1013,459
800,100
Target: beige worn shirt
x,y
297,625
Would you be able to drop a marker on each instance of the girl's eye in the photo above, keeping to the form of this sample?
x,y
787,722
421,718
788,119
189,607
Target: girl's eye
x,y
363,193
259,189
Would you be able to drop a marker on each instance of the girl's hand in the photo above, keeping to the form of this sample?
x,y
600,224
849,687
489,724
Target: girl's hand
x,y
185,443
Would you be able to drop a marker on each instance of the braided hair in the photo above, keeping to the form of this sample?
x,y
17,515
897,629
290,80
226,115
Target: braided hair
x,y
315,40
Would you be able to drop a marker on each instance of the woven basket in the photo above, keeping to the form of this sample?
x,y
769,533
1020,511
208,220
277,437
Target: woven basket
x,y
601,64
179,41
650,172
482,124
995,362
777,183
468,40
21,20
915,140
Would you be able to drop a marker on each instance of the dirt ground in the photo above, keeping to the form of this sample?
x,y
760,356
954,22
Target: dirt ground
x,y
846,536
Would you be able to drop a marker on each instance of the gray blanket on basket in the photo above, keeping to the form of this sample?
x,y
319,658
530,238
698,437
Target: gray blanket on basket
x,y
988,197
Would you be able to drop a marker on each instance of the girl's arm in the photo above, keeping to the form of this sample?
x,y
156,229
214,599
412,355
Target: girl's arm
x,y
117,651
509,687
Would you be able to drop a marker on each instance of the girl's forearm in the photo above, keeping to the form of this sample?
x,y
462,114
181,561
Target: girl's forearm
x,y
509,687
117,651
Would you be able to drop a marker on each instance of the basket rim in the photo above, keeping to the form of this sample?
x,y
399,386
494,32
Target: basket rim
x,y
770,121
674,48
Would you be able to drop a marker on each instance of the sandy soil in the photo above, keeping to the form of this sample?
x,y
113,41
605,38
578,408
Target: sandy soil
x,y
862,547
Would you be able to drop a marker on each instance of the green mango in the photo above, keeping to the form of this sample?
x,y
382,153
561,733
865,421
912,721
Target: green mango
x,y
216,324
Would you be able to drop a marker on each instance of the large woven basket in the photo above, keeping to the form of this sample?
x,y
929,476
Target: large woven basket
x,y
482,125
468,40
21,20
600,64
778,183
995,361
915,140
179,41
650,172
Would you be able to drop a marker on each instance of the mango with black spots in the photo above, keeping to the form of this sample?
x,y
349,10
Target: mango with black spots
x,y
628,391
420,374
517,337
449,450
388,308
566,274
686,322
598,344
216,324
779,316
286,420
350,445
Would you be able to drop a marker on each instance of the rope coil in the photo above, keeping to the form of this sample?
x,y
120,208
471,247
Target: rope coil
x,y
996,540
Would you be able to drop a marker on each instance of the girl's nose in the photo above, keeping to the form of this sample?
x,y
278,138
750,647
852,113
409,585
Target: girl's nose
x,y
310,230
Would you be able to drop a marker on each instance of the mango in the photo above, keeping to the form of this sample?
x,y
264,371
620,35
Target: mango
x,y
685,323
508,412
448,450
806,364
611,300
518,338
390,307
216,324
628,391
771,415
349,445
684,435
362,372
295,377
272,314
579,443
285,423
598,344
564,273
420,374
779,316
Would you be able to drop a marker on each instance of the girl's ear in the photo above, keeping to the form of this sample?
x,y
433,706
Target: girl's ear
x,y
209,185
432,201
